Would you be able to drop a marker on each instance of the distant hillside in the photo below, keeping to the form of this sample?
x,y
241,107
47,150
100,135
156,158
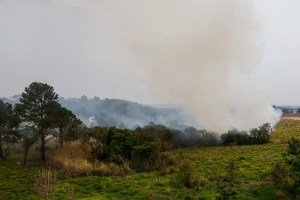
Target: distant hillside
x,y
121,113
288,110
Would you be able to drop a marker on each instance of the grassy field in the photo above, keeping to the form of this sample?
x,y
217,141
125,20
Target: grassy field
x,y
286,129
208,165
254,161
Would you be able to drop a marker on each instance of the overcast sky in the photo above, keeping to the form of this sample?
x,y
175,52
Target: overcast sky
x,y
71,46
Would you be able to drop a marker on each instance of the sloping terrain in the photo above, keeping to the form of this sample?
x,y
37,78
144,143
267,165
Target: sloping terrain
x,y
285,130
121,113
208,167
255,163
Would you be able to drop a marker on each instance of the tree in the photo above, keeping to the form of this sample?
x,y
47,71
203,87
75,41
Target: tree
x,y
36,110
148,144
95,141
8,122
261,135
119,145
65,121
235,137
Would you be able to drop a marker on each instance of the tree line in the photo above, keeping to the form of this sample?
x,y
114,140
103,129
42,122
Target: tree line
x,y
39,117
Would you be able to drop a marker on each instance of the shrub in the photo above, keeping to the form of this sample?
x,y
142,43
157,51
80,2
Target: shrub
x,y
72,159
111,169
94,142
191,137
261,135
226,191
236,137
152,133
280,174
186,174
166,162
292,158
287,175
232,169
226,186
146,156
119,146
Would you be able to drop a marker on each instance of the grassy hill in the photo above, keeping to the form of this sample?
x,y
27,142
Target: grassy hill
x,y
208,167
286,129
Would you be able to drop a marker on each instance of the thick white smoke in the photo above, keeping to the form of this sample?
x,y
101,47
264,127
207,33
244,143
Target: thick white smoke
x,y
200,53
197,53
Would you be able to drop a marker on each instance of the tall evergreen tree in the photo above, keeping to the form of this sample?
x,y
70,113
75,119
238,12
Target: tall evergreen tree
x,y
36,110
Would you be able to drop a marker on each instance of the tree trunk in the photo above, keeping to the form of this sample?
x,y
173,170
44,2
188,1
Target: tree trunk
x,y
1,152
43,149
25,158
61,139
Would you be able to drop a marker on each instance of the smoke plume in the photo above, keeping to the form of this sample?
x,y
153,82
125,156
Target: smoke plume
x,y
200,54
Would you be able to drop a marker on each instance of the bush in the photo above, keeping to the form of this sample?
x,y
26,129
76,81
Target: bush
x,y
261,135
286,175
112,169
72,159
226,191
292,158
94,142
145,157
227,186
235,137
232,169
118,146
280,174
186,174
166,162
191,137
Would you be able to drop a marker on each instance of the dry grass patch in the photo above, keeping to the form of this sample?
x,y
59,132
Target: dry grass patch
x,y
72,159
75,161
112,169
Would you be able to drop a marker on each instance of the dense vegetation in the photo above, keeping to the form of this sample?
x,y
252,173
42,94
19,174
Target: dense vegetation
x,y
149,162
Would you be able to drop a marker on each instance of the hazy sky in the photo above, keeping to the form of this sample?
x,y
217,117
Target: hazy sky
x,y
74,46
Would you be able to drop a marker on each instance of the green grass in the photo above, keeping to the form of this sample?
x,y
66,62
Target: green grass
x,y
15,182
254,182
285,130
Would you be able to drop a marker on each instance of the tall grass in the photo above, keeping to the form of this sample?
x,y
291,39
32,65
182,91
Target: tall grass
x,y
45,184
